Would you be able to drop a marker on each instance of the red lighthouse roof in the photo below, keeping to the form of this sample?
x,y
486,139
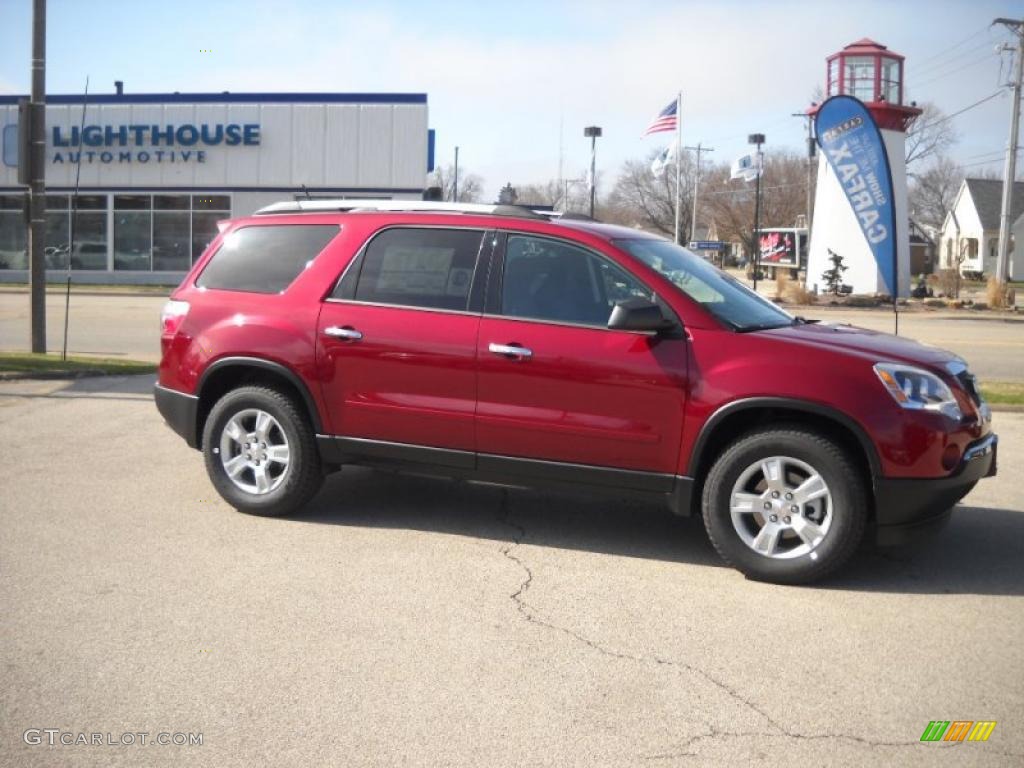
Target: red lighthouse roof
x,y
868,46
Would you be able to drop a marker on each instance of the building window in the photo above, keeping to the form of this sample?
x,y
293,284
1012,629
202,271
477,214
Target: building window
x,y
860,77
13,253
890,80
833,77
207,210
133,232
90,236
150,232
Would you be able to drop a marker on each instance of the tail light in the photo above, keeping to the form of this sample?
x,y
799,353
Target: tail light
x,y
171,317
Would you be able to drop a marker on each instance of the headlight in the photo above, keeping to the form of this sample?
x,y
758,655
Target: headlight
x,y
918,389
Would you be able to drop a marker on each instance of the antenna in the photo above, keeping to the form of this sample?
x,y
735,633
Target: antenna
x,y
74,215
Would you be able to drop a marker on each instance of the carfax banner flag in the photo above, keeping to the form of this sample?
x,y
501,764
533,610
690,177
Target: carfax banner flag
x,y
849,137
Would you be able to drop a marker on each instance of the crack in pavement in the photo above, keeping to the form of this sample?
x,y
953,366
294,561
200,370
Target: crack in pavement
x,y
530,614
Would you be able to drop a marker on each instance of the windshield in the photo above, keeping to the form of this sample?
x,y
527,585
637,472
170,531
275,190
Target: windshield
x,y
721,294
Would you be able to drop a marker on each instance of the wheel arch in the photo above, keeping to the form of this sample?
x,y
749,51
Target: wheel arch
x,y
740,416
228,373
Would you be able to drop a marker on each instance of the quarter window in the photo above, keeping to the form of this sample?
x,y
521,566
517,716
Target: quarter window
x,y
428,268
550,280
265,259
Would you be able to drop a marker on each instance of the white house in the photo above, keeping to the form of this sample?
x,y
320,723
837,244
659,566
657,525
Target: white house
x,y
970,233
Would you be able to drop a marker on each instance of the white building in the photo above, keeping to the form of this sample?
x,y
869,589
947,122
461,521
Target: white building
x,y
159,170
873,74
970,233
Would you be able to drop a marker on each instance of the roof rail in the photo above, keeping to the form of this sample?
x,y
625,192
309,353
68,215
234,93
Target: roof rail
x,y
419,206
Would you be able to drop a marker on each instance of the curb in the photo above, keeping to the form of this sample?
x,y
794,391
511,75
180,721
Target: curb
x,y
86,373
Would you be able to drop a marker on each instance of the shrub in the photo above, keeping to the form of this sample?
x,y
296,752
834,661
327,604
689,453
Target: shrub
x,y
798,293
999,295
948,282
781,281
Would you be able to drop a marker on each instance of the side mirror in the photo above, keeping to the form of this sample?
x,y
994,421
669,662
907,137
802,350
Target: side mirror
x,y
638,315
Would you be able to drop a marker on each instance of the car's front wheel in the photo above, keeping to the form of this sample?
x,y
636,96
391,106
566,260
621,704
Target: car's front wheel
x,y
260,452
786,505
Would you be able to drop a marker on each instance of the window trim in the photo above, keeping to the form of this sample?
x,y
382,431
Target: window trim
x,y
477,284
492,307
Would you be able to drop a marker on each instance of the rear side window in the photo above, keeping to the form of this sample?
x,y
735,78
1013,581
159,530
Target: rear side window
x,y
429,268
265,259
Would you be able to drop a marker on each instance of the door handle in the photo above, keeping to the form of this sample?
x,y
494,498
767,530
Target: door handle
x,y
510,350
343,332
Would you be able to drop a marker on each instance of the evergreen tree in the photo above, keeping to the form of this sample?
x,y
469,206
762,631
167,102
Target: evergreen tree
x,y
834,277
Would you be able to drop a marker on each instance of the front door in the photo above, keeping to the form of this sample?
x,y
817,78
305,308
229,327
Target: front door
x,y
556,384
396,341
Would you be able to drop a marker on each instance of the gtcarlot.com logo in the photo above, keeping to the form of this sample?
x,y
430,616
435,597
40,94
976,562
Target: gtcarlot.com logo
x,y
55,737
958,730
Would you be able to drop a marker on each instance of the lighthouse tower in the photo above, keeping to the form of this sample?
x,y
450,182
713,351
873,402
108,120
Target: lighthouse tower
x,y
873,74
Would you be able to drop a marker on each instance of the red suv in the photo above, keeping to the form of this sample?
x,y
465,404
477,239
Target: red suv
x,y
497,344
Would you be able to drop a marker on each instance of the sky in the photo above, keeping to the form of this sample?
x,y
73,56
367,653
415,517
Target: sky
x,y
514,83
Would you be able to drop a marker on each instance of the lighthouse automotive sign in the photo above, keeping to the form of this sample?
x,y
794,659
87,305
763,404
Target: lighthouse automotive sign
x,y
853,145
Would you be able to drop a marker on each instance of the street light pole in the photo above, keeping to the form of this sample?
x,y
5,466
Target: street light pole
x,y
758,139
37,179
593,132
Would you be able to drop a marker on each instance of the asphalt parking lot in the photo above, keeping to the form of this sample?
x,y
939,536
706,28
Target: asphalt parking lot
x,y
409,621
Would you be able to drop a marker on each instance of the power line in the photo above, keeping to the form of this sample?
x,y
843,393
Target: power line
x,y
978,103
928,69
996,152
976,62
953,47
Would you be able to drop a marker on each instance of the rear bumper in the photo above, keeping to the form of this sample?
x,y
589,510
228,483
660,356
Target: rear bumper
x,y
908,508
179,411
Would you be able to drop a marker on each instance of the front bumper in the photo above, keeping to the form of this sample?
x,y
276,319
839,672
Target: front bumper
x,y
908,508
179,411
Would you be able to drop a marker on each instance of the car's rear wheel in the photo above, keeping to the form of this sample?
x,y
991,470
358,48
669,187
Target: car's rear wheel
x,y
260,452
786,505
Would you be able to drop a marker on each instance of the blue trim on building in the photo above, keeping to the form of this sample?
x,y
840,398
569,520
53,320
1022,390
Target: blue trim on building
x,y
231,98
431,141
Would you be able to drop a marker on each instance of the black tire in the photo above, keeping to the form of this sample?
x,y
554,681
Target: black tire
x,y
302,477
849,507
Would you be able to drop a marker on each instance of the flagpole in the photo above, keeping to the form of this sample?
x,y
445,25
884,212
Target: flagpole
x,y
679,154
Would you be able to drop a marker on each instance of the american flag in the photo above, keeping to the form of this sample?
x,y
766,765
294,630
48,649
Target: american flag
x,y
666,119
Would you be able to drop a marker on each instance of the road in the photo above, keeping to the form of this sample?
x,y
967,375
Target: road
x,y
418,622
128,326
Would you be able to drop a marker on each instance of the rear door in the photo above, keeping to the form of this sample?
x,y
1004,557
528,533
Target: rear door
x,y
396,343
559,386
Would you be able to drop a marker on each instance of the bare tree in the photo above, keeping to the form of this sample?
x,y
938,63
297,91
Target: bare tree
x,y
640,199
930,135
549,192
933,191
783,196
471,186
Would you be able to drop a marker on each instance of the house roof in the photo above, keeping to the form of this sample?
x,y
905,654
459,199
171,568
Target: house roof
x,y
987,195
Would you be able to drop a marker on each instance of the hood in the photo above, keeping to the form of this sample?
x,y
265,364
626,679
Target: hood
x,y
865,343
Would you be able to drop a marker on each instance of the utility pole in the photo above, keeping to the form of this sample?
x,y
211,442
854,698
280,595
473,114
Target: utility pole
x,y
758,139
696,185
37,179
455,182
1010,169
811,146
